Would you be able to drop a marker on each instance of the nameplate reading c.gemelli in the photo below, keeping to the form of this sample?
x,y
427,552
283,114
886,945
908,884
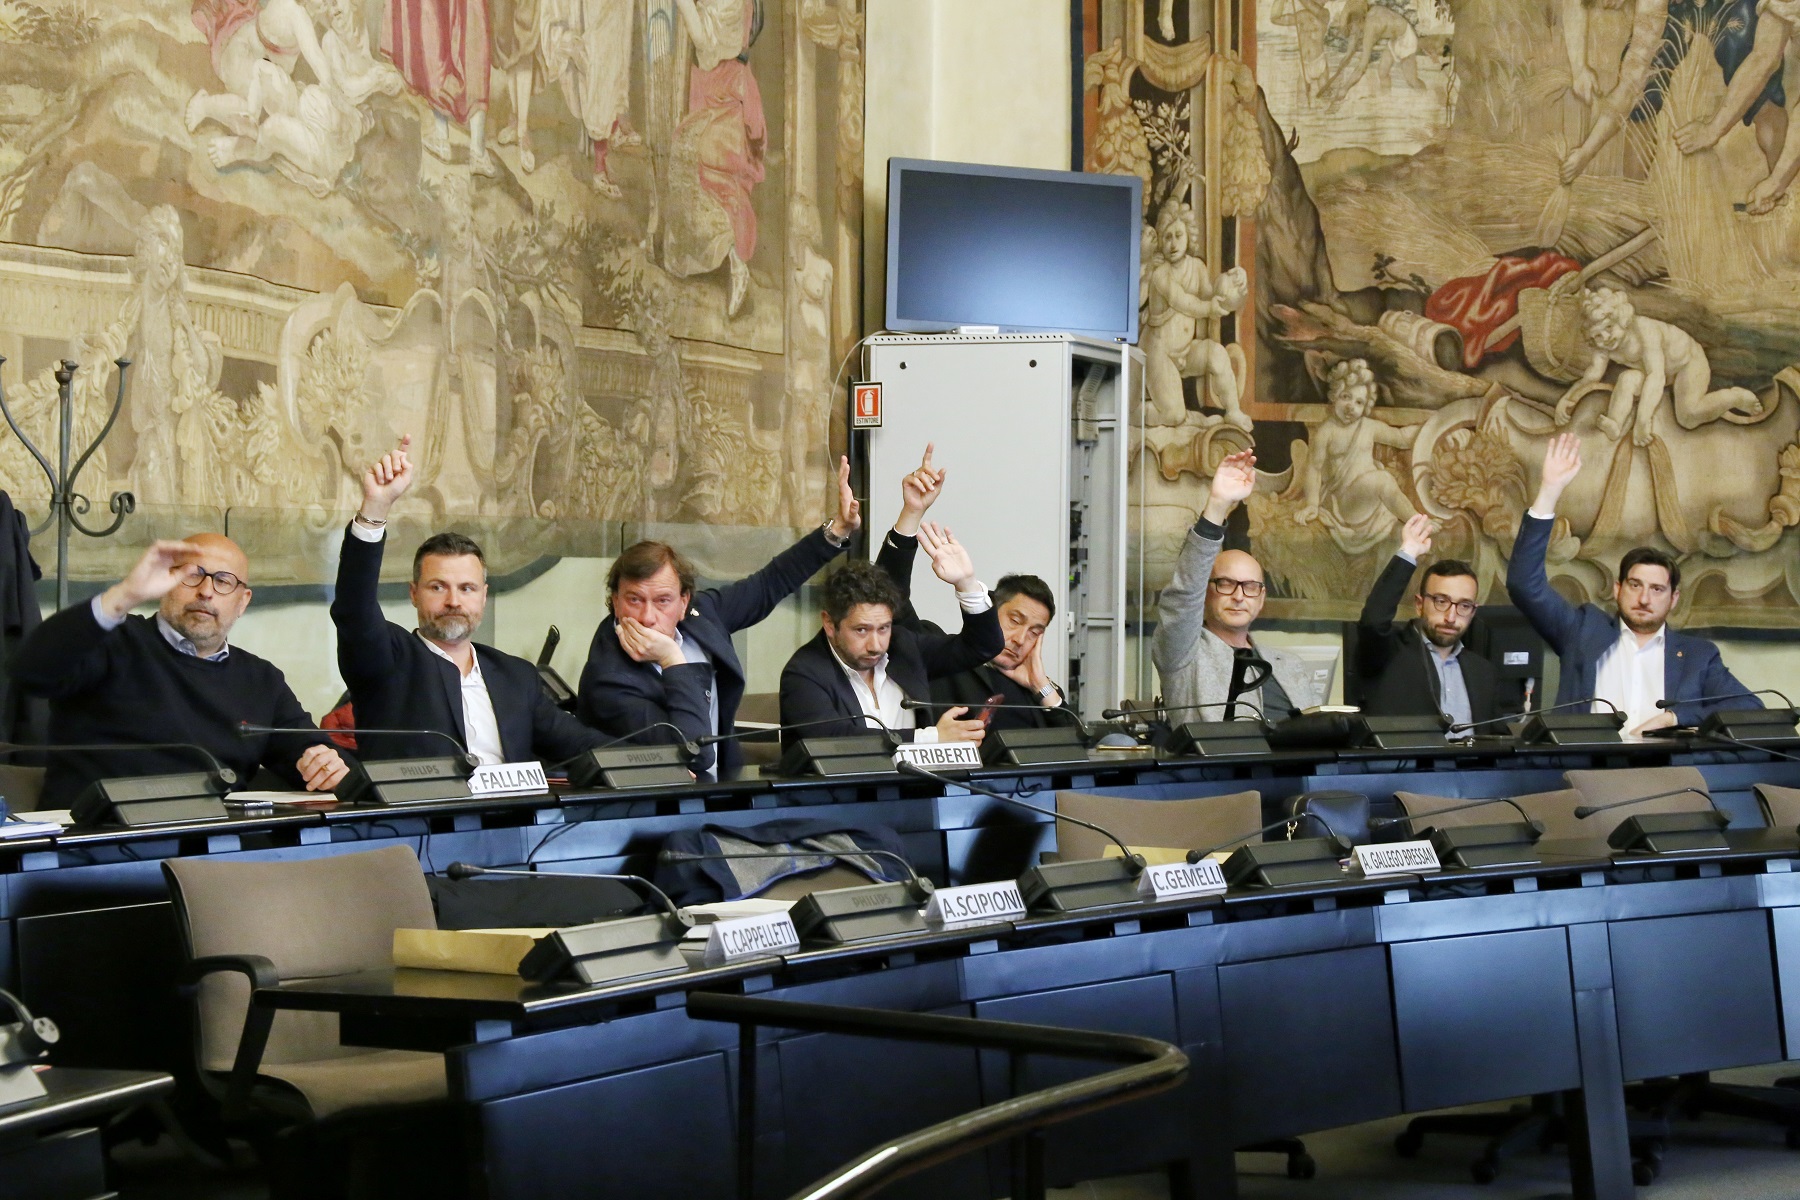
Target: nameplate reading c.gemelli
x,y
751,937
975,903
1397,858
508,779
1174,881
938,756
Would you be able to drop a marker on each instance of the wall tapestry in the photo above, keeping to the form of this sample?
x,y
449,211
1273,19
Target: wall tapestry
x,y
1404,242
599,256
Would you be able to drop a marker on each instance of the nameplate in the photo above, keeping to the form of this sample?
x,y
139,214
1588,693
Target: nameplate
x,y
508,779
939,756
751,937
1397,858
1173,881
975,903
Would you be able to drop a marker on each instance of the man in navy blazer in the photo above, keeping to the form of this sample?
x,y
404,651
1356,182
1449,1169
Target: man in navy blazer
x,y
1633,660
661,668
856,674
435,676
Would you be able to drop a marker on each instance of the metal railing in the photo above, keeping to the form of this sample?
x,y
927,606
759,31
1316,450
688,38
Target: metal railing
x,y
1153,1066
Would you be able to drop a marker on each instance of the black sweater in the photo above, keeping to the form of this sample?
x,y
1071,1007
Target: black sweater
x,y
130,685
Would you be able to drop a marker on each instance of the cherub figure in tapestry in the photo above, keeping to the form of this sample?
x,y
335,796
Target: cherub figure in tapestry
x,y
1655,356
1376,32
1176,293
1343,486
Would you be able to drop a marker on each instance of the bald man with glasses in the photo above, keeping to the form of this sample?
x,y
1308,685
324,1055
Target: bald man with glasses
x,y
1421,666
1204,616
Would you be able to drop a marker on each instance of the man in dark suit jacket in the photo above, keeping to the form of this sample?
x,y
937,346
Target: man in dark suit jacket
x,y
661,667
435,676
1632,660
854,676
1421,667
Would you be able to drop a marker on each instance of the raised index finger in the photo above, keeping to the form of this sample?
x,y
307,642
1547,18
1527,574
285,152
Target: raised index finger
x,y
925,463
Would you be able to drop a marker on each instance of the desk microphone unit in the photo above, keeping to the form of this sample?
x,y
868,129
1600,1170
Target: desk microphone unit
x,y
1279,864
1665,833
1572,729
1206,739
855,914
829,757
1413,732
1753,725
1507,844
1062,744
621,767
391,781
175,798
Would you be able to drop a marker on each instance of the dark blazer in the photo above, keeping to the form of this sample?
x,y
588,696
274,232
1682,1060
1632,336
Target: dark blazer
x,y
1581,636
622,697
815,688
396,682
1393,662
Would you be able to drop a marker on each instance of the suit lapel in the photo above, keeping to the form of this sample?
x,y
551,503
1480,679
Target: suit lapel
x,y
451,681
1675,664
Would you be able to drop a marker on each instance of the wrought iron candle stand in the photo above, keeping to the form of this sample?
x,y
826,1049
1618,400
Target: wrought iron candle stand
x,y
67,506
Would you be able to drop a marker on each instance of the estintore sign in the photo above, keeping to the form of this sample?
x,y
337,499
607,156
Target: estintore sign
x,y
865,405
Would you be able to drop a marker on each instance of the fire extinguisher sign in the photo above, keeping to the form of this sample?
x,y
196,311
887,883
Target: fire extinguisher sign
x,y
865,405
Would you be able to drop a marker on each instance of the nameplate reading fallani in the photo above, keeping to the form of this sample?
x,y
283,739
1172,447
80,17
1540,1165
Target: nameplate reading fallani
x,y
508,779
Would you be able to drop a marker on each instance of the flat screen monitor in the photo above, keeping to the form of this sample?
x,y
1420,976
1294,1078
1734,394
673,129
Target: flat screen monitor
x,y
1028,251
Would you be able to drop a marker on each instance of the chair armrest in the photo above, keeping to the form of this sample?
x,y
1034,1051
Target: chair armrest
x,y
257,1020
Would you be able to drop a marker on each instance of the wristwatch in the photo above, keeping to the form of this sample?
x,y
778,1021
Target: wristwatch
x,y
833,539
1048,690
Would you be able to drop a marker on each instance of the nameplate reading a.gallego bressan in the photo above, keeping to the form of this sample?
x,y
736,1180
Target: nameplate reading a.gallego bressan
x,y
509,779
975,904
1175,881
1397,858
939,756
750,937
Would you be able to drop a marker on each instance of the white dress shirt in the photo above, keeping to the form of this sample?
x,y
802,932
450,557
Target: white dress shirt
x,y
481,729
883,703
1631,676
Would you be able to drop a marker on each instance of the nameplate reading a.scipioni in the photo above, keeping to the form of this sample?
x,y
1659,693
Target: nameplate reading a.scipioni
x,y
975,903
751,937
1397,858
508,779
938,756
1173,881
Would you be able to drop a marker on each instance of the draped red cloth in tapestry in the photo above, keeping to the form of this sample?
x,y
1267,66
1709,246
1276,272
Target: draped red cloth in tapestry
x,y
441,48
217,20
1478,304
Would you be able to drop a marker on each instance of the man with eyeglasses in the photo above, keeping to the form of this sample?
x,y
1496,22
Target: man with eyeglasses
x,y
114,677
1204,617
1631,661
1421,667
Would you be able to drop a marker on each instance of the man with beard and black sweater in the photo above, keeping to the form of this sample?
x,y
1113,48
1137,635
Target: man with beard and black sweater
x,y
112,677
435,676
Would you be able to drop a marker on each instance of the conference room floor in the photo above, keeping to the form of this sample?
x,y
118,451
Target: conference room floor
x,y
1714,1159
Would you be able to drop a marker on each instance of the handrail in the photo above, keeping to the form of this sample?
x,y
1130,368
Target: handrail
x,y
1154,1066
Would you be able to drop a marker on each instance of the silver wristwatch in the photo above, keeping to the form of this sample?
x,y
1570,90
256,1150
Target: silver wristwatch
x,y
836,541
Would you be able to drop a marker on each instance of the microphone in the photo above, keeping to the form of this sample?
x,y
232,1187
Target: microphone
x,y
1785,702
688,746
892,735
462,870
1194,856
1584,811
1086,729
1114,714
467,758
222,776
1537,826
1132,860
922,887
1465,726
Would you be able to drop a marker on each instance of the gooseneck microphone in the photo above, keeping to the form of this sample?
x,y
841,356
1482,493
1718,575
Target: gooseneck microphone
x,y
1666,703
1584,811
921,886
1465,726
222,776
1114,714
1132,859
688,746
1194,856
463,870
465,756
1063,710
1409,818
893,735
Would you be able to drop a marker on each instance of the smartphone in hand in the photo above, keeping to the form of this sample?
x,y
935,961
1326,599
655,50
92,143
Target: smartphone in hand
x,y
986,714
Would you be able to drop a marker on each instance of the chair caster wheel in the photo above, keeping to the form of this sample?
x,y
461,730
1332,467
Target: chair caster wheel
x,y
1408,1143
1301,1166
1484,1170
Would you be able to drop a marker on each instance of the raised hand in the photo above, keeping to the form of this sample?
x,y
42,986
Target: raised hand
x,y
322,768
1232,483
849,513
153,577
951,728
644,644
386,481
919,490
950,560
1562,462
1415,536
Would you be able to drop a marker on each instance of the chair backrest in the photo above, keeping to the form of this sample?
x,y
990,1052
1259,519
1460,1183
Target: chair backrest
x,y
764,708
829,879
1554,810
1780,805
310,917
23,787
1173,824
1629,783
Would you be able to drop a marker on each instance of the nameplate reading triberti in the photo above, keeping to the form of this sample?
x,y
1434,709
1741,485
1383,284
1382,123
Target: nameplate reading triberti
x,y
939,756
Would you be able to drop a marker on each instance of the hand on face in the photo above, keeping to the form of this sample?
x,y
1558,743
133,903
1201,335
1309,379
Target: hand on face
x,y
644,644
155,575
322,768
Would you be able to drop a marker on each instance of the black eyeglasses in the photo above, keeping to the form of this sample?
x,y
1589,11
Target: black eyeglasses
x,y
1251,588
1442,604
224,582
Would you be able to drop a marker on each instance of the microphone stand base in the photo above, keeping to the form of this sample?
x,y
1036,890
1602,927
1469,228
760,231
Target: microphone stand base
x,y
1079,885
624,767
608,952
1756,725
1671,833
1571,729
856,914
858,754
1055,746
1218,739
138,800
1508,844
1285,864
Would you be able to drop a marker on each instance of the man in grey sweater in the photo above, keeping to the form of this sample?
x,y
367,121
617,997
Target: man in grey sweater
x,y
1204,615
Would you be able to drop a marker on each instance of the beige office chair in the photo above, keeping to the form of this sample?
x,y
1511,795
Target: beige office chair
x,y
1554,810
262,923
761,708
1780,806
1171,824
23,787
1628,783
